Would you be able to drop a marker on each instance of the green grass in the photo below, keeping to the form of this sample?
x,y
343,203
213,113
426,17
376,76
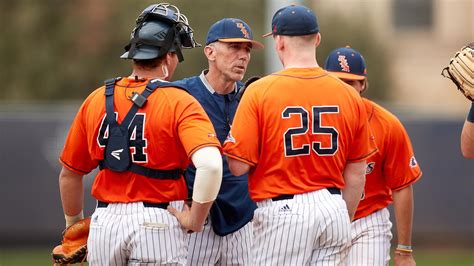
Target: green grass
x,y
424,257
25,257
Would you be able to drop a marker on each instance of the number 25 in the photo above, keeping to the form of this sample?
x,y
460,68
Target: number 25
x,y
316,129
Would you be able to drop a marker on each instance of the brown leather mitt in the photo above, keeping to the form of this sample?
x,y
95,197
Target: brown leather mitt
x,y
73,248
461,70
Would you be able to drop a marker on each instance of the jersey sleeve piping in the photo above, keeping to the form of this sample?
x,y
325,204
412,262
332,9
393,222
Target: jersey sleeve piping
x,y
75,170
409,183
208,144
363,157
239,159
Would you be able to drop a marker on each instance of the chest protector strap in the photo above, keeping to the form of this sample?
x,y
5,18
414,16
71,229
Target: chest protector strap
x,y
117,155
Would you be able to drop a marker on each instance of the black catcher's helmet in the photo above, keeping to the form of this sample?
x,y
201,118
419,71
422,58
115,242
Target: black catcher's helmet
x,y
160,29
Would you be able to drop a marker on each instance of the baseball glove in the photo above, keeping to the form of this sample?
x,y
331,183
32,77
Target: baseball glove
x,y
73,248
461,70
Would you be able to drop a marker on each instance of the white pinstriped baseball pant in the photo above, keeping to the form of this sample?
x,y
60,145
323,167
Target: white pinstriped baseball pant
x,y
310,229
371,237
131,234
208,248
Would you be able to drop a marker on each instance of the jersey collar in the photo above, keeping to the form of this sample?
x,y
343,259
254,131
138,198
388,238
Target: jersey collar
x,y
208,86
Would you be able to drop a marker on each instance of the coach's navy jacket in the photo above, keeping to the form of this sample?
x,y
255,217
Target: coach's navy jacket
x,y
233,207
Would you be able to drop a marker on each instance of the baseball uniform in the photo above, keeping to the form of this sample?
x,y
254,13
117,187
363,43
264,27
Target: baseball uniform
x,y
392,168
227,236
131,224
298,128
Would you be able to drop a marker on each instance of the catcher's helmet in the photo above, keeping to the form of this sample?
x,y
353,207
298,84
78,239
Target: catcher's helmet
x,y
160,29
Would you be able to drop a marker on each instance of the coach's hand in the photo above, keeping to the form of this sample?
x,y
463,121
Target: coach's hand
x,y
192,218
184,217
404,260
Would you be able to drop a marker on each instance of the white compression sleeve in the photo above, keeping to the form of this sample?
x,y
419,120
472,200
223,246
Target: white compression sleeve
x,y
208,163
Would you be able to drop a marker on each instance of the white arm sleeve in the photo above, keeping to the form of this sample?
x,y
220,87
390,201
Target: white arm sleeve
x,y
208,163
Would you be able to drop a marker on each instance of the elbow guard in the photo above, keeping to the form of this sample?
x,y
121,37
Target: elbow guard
x,y
208,163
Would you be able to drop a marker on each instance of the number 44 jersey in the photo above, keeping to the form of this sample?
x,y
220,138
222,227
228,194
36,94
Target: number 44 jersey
x,y
298,128
163,135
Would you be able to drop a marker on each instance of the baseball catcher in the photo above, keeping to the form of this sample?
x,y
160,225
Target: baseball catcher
x,y
73,248
461,70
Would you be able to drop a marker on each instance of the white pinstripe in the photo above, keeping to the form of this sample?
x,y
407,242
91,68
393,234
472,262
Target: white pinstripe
x,y
131,234
207,248
312,228
371,237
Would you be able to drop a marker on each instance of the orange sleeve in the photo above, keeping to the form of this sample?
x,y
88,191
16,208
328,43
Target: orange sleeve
x,y
244,137
363,144
400,166
195,129
75,155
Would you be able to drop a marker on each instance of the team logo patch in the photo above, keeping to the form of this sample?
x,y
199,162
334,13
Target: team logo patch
x,y
243,29
229,138
211,135
370,168
343,63
413,162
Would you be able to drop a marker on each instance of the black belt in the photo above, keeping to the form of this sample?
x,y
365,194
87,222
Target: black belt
x,y
332,190
101,204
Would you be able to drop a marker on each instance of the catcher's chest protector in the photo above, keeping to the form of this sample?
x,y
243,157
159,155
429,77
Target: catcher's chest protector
x,y
117,155
117,152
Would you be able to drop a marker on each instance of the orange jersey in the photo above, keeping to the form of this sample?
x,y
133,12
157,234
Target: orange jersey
x,y
393,167
165,133
298,128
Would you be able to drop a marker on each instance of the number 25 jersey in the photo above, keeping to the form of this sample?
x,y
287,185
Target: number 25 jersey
x,y
298,128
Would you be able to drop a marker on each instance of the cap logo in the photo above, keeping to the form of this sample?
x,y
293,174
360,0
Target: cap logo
x,y
343,63
243,29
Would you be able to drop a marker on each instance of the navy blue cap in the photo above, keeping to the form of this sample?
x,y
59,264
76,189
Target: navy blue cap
x,y
231,30
346,63
294,20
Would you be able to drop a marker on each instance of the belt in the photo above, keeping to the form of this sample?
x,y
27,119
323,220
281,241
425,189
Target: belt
x,y
164,205
332,190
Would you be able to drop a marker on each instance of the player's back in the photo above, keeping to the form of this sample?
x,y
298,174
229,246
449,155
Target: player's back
x,y
163,133
393,166
309,126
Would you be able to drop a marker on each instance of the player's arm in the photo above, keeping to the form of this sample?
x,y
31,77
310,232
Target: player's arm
x,y
237,167
207,182
72,195
241,145
403,207
354,178
467,135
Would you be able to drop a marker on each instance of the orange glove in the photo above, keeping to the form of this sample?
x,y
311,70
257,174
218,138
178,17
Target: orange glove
x,y
73,248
